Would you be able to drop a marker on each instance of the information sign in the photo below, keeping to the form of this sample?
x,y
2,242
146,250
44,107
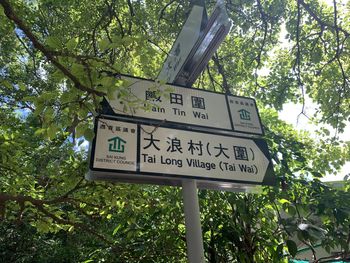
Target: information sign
x,y
115,145
144,152
196,43
195,107
183,45
244,115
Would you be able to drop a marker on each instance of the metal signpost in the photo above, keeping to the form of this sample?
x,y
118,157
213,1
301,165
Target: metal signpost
x,y
183,136
185,72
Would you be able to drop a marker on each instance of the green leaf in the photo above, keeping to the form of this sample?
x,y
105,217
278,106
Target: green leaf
x,y
43,226
49,113
107,81
115,231
53,42
22,86
104,44
292,247
52,131
48,96
72,43
7,84
39,106
78,70
283,201
291,210
39,131
317,174
29,98
127,40
89,134
81,129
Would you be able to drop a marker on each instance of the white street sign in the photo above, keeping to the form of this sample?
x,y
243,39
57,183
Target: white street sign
x,y
216,30
244,115
143,150
196,43
116,143
201,155
180,105
183,45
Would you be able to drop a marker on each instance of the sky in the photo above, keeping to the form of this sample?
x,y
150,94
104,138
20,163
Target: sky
x,y
290,114
291,111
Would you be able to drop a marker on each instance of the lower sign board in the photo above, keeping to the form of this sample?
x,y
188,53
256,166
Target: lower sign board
x,y
131,152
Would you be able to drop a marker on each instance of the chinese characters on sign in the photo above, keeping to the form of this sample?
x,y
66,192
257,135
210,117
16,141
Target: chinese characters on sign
x,y
115,128
175,104
244,115
196,148
152,142
114,145
152,96
176,98
198,102
191,107
188,153
166,152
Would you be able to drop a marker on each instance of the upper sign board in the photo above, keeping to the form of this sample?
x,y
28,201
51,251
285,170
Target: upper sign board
x,y
215,32
196,43
138,151
244,115
183,45
180,105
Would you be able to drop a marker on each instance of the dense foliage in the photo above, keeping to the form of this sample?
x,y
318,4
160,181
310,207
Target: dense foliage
x,y
59,58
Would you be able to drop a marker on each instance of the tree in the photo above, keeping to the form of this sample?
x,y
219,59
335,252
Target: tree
x,y
59,58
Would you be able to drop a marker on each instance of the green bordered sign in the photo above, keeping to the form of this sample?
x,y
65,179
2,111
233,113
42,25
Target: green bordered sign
x,y
132,152
186,106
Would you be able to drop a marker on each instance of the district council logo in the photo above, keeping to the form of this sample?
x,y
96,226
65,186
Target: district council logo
x,y
244,115
116,144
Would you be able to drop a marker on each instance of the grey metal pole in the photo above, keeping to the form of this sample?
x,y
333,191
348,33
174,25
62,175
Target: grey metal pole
x,y
194,240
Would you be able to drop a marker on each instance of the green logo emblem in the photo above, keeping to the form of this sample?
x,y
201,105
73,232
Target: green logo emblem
x,y
116,144
244,115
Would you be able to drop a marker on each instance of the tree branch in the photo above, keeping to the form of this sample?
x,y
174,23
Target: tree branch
x,y
320,21
40,205
132,14
222,73
212,80
337,256
264,19
21,25
337,55
163,10
297,63
81,226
